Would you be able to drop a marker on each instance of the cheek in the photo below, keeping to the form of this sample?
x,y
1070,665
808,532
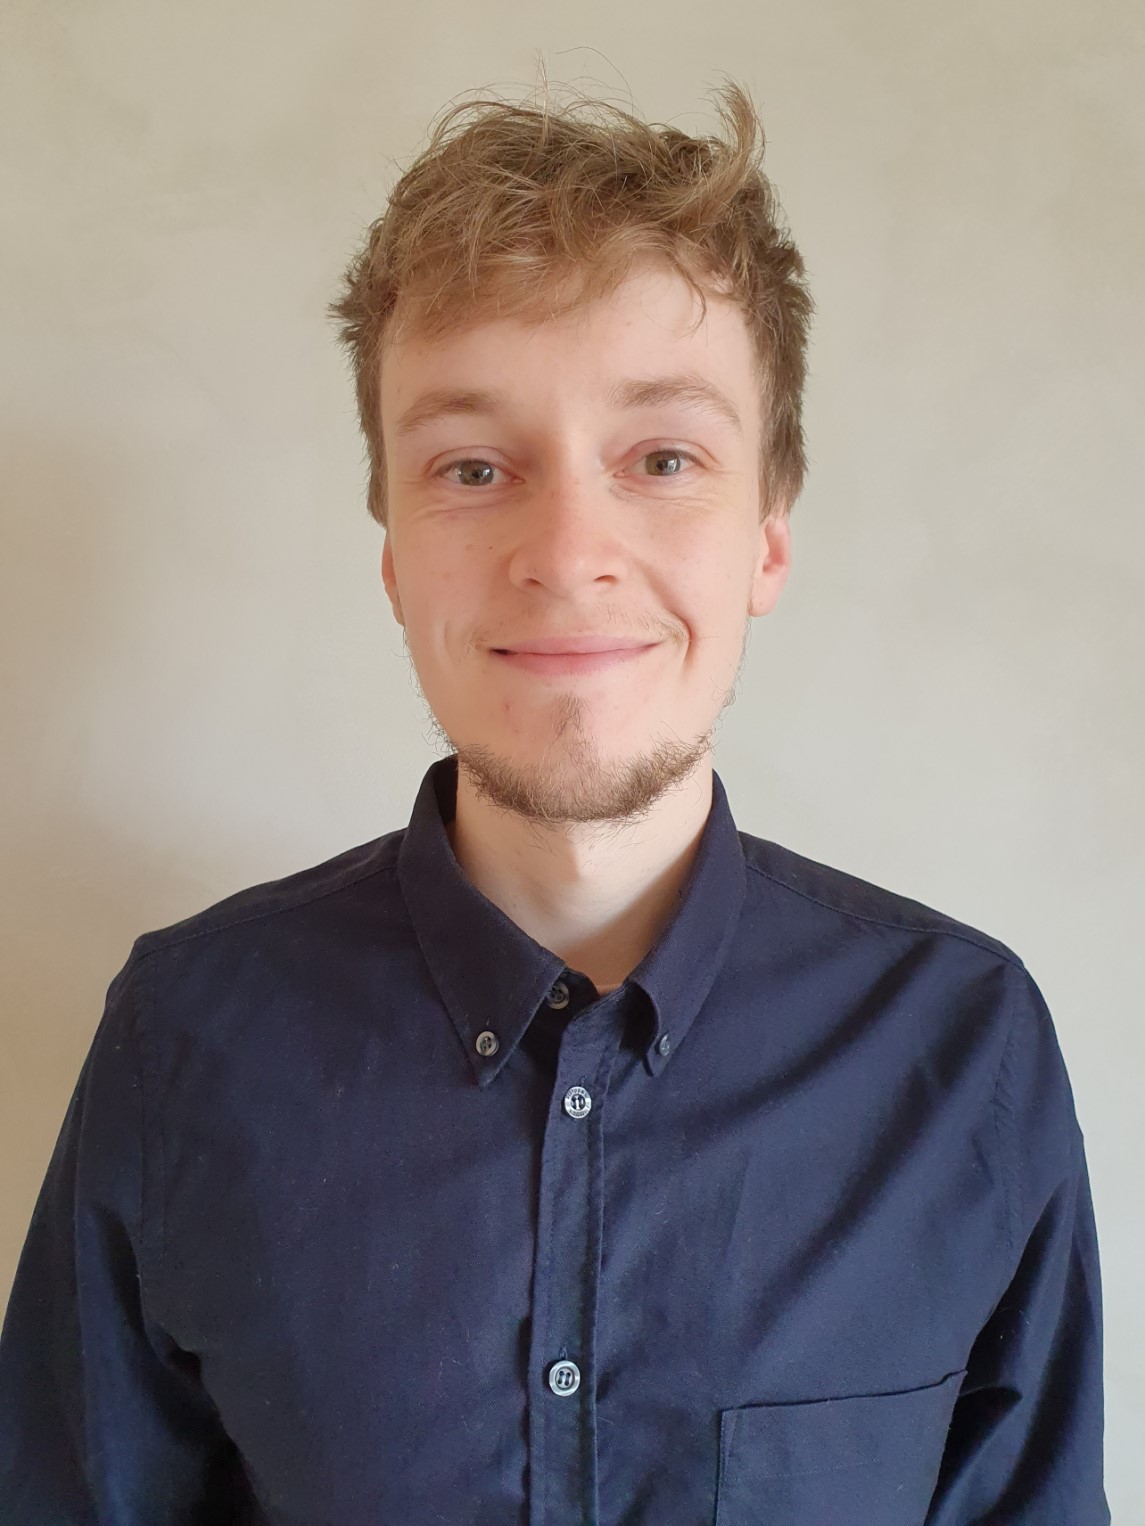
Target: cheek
x,y
711,590
439,596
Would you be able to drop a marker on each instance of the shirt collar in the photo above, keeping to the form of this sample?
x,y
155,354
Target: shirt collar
x,y
493,977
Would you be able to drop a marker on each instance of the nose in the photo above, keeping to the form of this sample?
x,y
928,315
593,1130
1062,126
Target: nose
x,y
568,535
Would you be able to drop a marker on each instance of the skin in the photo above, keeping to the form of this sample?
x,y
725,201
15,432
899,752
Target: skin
x,y
581,796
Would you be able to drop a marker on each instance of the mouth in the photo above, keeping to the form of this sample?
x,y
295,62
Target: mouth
x,y
568,664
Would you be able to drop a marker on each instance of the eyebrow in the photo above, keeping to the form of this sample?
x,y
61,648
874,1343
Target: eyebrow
x,y
686,388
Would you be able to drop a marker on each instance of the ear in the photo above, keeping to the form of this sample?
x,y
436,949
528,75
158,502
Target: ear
x,y
772,564
389,579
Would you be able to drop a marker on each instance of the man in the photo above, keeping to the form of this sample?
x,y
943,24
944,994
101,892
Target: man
x,y
567,1156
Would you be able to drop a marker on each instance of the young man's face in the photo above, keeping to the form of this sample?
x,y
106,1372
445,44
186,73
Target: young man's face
x,y
568,504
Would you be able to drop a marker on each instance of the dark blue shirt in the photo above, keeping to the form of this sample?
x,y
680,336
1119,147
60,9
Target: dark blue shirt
x,y
368,1211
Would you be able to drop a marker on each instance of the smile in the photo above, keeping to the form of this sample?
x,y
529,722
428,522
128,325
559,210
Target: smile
x,y
567,664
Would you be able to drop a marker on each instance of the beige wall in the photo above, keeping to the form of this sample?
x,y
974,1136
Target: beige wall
x,y
203,686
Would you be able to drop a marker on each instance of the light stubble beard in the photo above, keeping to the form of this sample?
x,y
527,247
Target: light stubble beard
x,y
571,782
579,786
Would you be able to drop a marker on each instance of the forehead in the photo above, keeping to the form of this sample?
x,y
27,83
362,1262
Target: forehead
x,y
651,326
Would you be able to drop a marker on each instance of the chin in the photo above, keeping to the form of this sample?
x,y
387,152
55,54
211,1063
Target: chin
x,y
574,782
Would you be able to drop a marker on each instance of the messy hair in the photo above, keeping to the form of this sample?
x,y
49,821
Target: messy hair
x,y
526,210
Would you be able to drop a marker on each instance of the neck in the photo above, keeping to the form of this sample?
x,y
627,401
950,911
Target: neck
x,y
597,895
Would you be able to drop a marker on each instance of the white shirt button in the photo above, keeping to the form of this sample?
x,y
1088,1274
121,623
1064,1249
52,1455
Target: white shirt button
x,y
564,1378
558,997
488,1043
578,1103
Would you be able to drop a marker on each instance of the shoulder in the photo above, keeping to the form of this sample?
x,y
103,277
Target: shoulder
x,y
977,993
833,898
863,936
362,870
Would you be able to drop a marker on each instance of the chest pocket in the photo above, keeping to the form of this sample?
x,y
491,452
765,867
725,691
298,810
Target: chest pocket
x,y
834,1462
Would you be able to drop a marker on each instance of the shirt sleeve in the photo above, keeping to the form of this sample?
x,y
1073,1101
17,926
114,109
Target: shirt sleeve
x,y
1026,1438
102,1417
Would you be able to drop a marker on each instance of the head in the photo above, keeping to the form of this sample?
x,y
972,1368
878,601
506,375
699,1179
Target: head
x,y
579,348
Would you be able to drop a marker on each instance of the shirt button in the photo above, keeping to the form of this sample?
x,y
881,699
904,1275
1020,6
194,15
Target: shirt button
x,y
558,997
578,1103
564,1378
488,1043
664,1045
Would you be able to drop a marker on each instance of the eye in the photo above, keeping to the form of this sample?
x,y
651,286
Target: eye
x,y
664,459
476,471
669,462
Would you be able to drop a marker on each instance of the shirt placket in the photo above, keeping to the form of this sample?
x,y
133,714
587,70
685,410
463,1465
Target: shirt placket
x,y
566,1281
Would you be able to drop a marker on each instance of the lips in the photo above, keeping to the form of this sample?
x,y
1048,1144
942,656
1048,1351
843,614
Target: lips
x,y
563,645
565,656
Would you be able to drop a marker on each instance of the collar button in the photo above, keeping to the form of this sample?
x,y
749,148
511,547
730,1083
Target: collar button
x,y
558,997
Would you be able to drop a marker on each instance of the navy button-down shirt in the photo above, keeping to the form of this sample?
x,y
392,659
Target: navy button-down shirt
x,y
367,1209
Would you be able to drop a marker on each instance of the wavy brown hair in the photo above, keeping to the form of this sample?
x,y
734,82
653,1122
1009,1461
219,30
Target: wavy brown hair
x,y
510,205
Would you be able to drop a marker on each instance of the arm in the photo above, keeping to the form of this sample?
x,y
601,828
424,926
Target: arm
x,y
1025,1440
102,1417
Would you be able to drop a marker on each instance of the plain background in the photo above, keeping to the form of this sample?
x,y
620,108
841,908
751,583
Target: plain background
x,y
203,684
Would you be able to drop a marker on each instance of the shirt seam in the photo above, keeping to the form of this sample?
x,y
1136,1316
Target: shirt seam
x,y
171,940
1004,1131
985,943
152,1226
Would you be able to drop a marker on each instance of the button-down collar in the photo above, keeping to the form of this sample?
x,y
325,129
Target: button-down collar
x,y
502,992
